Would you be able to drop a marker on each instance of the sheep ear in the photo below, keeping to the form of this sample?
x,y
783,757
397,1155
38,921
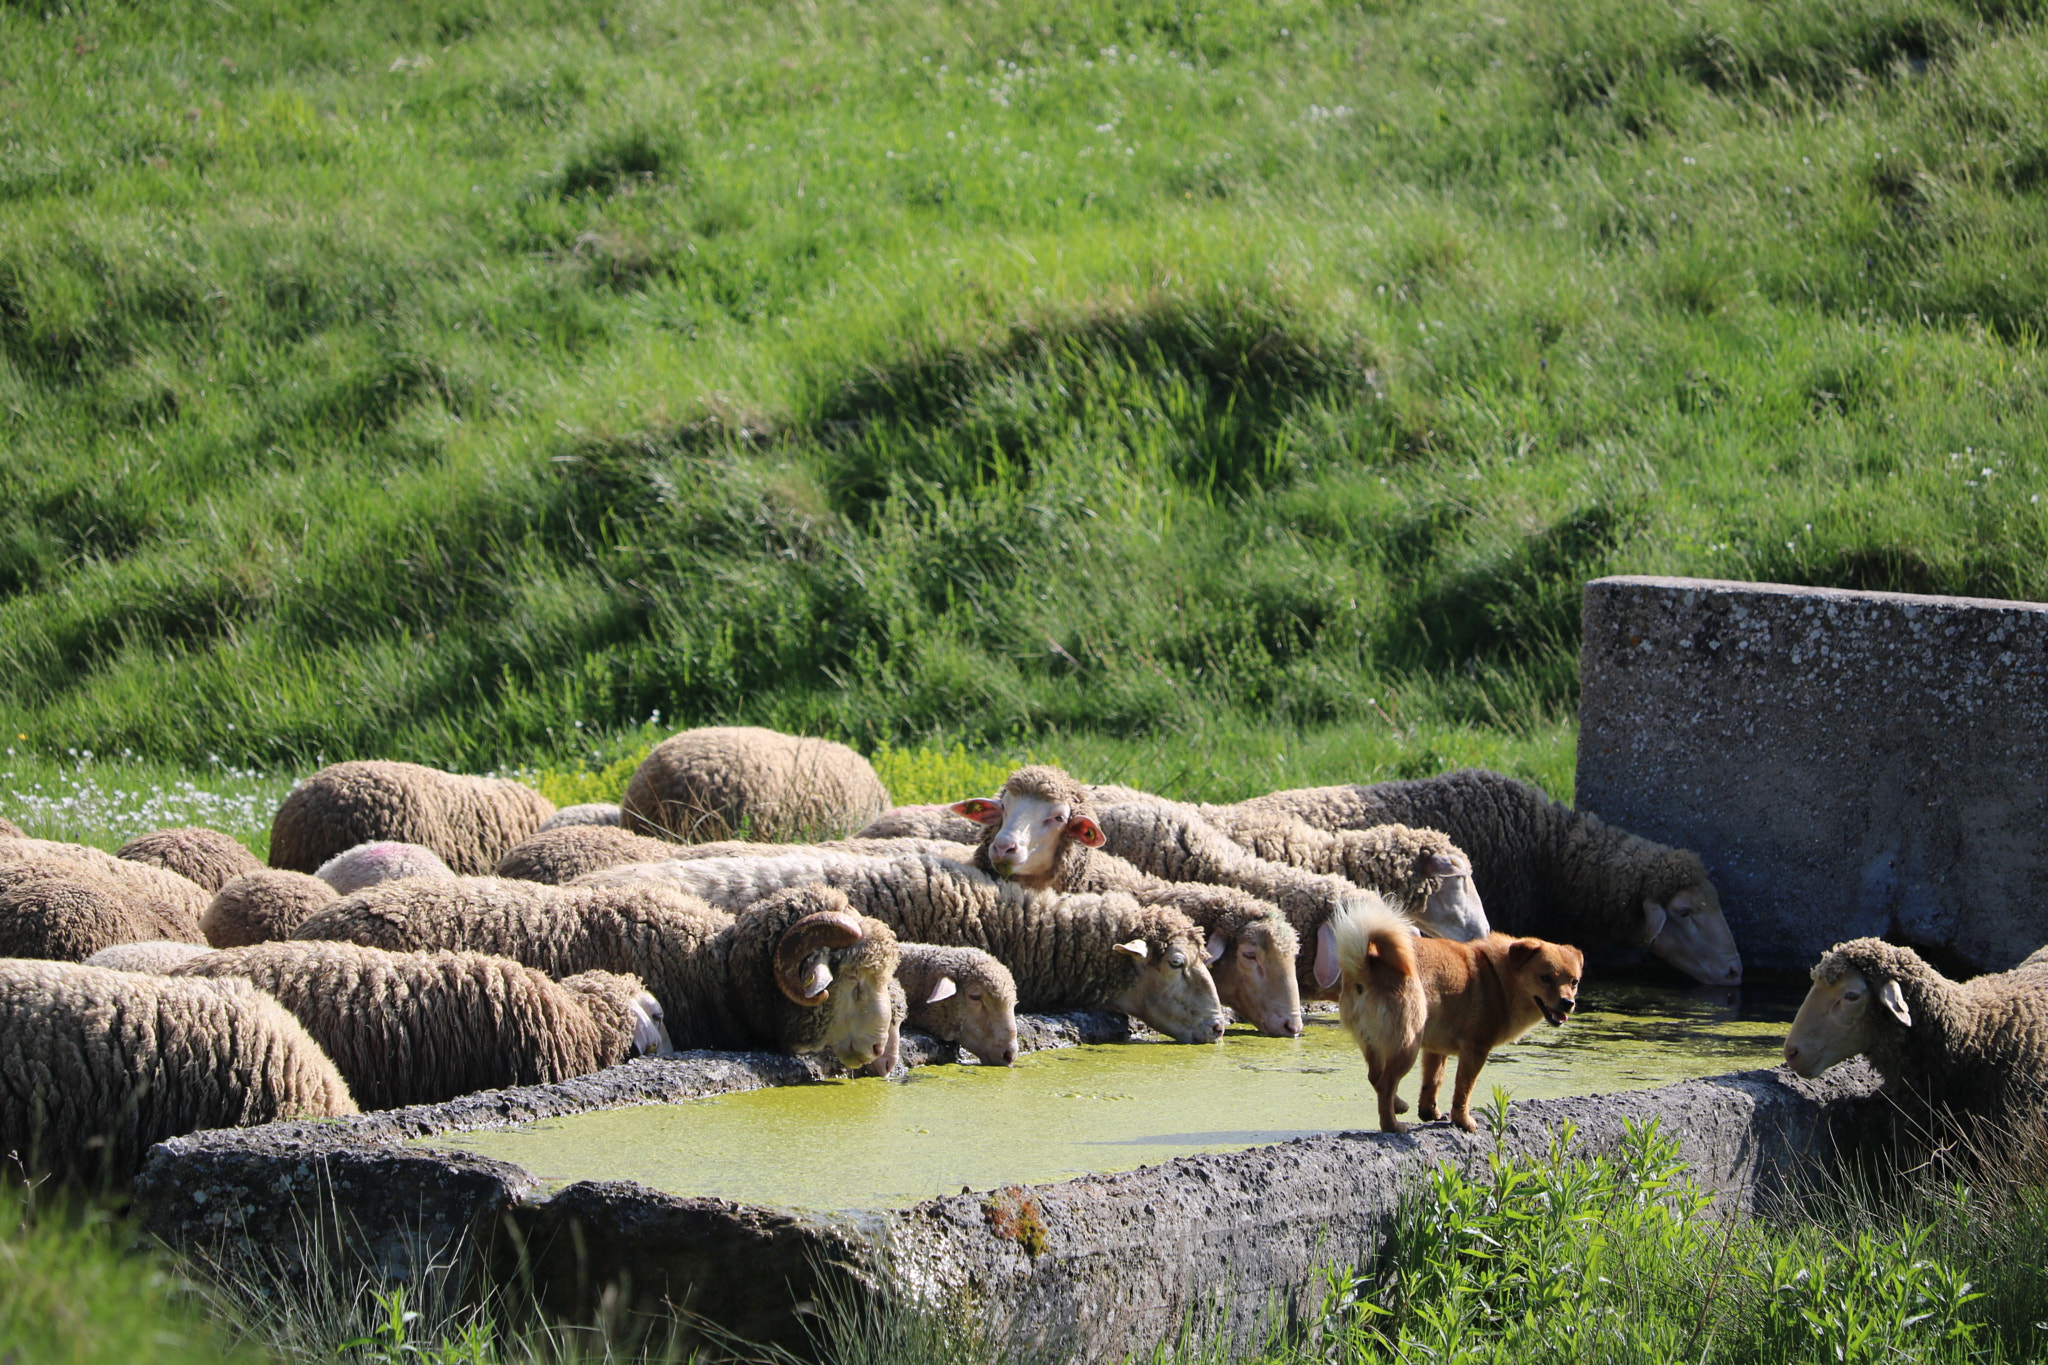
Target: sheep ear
x,y
1135,948
945,990
1082,830
816,978
1894,1001
1444,865
1327,971
1217,943
979,809
1653,920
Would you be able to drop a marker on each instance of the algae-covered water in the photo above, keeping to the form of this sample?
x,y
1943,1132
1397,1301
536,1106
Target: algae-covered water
x,y
1057,1114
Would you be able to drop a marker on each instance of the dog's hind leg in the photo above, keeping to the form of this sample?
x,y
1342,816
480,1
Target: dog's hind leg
x,y
1432,1077
1384,1080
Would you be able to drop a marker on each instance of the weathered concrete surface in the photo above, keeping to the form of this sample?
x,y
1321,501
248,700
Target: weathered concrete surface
x,y
1101,1266
1847,763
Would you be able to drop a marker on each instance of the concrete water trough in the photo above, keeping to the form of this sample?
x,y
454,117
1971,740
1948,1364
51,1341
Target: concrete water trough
x,y
1231,1234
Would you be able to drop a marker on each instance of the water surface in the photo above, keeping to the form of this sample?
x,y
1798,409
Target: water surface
x,y
1057,1114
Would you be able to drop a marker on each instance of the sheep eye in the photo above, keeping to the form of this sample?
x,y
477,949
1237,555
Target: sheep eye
x,y
1249,954
974,995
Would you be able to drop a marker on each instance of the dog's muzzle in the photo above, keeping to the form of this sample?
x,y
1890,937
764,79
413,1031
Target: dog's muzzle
x,y
1556,1016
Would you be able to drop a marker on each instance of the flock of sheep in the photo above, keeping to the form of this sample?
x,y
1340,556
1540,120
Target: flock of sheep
x,y
421,935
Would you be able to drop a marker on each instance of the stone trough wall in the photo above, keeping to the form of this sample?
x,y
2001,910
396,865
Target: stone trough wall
x,y
1846,763
1100,1266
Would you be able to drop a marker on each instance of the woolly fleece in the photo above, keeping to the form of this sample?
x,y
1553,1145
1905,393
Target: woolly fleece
x,y
52,907
468,821
265,905
97,1065
154,958
205,857
721,781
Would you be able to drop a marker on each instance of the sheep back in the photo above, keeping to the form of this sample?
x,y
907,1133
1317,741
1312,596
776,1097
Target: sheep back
x,y
10,830
588,813
555,856
52,907
156,896
205,857
266,904
155,958
921,822
382,860
420,1028
96,1065
719,782
469,822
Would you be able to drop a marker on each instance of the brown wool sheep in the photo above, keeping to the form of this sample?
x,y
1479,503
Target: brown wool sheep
x,y
10,830
265,905
921,822
725,782
97,1065
1040,831
165,900
468,822
1973,1050
420,1028
1543,868
155,958
589,813
1067,952
722,982
559,856
205,857
963,996
54,908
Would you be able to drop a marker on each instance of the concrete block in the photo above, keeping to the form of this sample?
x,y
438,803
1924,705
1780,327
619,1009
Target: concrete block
x,y
1846,763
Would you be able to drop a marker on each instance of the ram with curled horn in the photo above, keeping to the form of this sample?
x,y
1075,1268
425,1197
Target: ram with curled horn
x,y
833,970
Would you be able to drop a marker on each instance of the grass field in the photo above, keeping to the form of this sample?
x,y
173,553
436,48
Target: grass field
x,y
1176,387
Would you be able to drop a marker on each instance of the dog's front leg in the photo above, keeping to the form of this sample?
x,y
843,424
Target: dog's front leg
x,y
1469,1063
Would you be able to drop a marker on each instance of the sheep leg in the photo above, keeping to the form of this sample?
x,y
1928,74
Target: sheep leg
x,y
1385,1078
1432,1077
1469,1063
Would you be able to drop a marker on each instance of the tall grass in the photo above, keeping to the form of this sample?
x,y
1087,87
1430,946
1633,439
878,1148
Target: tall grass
x,y
425,379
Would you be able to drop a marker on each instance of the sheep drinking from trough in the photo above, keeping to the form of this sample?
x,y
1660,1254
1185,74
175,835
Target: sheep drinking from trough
x,y
719,781
468,822
802,973
419,1028
97,1065
1974,1050
1080,951
1040,832
963,996
1543,867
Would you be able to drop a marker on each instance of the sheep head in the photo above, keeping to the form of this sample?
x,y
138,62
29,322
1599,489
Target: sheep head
x,y
1254,975
650,1029
1452,909
1836,1022
815,976
964,996
1170,987
1683,924
1035,829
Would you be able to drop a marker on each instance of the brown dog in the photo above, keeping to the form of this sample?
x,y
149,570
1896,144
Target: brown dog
x,y
1399,994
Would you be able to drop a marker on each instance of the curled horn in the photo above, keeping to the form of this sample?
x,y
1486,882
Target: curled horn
x,y
825,929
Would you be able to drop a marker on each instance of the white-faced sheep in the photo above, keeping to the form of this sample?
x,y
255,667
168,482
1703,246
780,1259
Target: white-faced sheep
x,y
468,821
382,860
558,856
721,782
98,1065
155,958
921,822
800,974
419,1028
1544,868
51,907
1973,1050
963,996
1065,951
588,813
1040,832
153,896
205,857
265,905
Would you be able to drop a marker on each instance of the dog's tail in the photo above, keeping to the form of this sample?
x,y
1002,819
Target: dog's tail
x,y
1370,941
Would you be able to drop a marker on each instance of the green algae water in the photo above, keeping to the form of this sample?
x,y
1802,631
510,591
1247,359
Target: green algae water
x,y
1066,1112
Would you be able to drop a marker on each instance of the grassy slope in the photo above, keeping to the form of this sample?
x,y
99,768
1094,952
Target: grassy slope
x,y
1226,395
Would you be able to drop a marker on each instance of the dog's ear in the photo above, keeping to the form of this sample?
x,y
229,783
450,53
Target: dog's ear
x,y
1521,950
